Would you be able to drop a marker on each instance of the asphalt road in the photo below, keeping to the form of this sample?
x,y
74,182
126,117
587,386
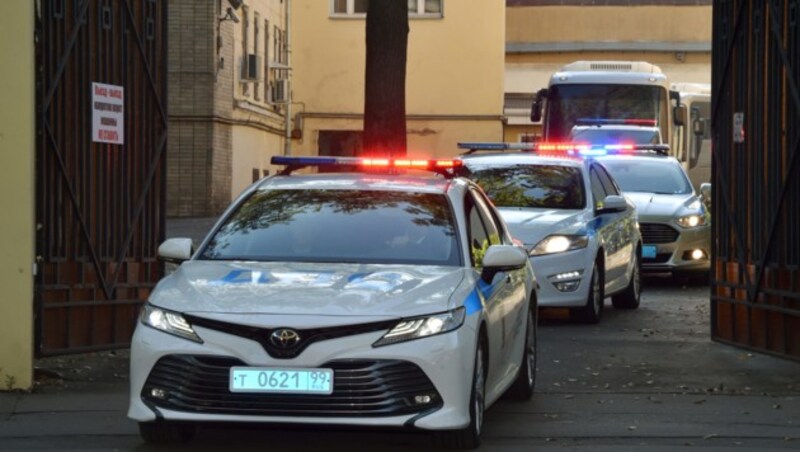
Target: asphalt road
x,y
649,379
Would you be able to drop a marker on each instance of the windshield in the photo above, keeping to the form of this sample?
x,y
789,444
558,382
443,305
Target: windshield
x,y
355,226
603,135
538,186
568,103
649,176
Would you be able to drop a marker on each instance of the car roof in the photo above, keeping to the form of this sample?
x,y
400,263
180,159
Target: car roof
x,y
516,158
413,183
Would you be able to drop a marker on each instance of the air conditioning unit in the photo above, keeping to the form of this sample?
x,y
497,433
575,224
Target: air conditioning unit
x,y
252,68
279,91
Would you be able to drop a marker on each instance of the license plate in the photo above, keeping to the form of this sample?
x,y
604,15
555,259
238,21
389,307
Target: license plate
x,y
280,380
649,251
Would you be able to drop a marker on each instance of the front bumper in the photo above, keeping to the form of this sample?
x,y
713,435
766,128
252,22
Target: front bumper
x,y
194,378
671,257
547,266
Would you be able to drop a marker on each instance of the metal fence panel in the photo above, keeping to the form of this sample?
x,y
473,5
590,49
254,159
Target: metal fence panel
x,y
756,181
99,206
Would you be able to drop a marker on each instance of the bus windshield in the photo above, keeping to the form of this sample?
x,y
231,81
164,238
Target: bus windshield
x,y
569,102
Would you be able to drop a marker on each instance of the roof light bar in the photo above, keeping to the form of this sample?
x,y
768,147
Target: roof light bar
x,y
436,165
606,121
497,146
569,149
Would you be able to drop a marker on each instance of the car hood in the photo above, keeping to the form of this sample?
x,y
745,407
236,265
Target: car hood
x,y
376,291
650,205
532,225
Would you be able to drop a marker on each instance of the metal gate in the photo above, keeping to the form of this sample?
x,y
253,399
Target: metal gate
x,y
99,207
756,180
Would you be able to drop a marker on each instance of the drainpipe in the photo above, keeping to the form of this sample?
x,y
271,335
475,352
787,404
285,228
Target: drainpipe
x,y
287,145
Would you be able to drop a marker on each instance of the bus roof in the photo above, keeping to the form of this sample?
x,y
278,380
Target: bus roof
x,y
611,66
610,72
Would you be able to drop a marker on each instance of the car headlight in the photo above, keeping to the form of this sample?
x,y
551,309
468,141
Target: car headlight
x,y
692,221
168,322
559,244
418,327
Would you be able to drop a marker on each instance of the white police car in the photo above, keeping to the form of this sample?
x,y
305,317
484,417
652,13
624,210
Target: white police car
x,y
674,223
362,299
580,232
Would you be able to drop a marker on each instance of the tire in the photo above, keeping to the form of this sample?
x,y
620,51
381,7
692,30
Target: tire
x,y
162,432
522,388
593,310
470,436
632,295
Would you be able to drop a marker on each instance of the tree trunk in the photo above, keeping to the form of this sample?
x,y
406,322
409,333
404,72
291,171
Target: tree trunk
x,y
385,78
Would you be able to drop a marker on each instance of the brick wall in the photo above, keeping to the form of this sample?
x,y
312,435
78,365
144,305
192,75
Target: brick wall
x,y
200,104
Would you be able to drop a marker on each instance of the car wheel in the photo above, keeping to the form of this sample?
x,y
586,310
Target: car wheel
x,y
470,437
631,296
593,310
522,388
162,432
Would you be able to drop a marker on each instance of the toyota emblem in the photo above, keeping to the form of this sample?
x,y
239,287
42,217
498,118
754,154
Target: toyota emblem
x,y
284,338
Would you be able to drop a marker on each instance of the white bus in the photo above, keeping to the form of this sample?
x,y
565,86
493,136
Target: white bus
x,y
693,140
615,90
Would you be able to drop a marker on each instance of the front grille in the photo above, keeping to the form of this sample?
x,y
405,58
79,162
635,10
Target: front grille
x,y
305,337
658,233
659,259
361,388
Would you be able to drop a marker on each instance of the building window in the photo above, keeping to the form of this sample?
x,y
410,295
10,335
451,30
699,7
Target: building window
x,y
358,8
266,60
245,48
256,20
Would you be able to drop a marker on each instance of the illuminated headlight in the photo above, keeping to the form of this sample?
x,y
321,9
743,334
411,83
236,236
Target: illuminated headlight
x,y
559,244
415,328
692,221
168,322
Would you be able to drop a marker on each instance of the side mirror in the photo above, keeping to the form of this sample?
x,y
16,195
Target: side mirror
x,y
175,250
699,126
705,190
536,111
613,204
500,258
536,108
679,115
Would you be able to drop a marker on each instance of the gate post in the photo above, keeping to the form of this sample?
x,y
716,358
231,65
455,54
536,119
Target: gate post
x,y
17,150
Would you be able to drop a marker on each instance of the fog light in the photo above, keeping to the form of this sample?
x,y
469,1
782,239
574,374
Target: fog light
x,y
694,255
567,281
422,399
158,393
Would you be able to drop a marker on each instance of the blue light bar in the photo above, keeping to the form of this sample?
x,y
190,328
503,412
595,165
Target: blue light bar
x,y
306,161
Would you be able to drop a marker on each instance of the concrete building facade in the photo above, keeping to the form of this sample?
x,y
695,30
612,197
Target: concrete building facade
x,y
544,35
17,145
454,75
226,116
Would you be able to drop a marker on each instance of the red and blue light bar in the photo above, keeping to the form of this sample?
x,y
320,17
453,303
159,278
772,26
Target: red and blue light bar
x,y
616,122
568,149
436,165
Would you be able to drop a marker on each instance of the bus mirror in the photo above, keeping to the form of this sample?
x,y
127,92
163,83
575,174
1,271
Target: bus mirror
x,y
536,108
676,96
679,115
699,126
536,111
